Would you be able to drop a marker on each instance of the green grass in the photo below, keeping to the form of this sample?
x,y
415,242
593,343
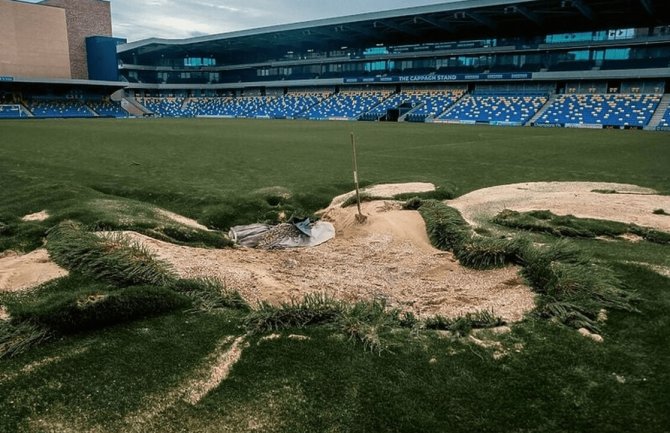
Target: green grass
x,y
218,171
110,257
573,227
112,174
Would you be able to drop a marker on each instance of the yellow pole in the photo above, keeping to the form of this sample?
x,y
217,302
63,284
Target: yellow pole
x,y
360,217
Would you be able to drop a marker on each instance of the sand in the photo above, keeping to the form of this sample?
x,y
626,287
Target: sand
x,y
389,257
21,272
631,204
188,222
387,190
38,216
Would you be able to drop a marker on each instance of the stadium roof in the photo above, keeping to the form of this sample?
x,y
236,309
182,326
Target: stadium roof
x,y
460,20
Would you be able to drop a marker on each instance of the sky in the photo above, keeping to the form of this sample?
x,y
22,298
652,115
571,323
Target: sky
x,y
141,19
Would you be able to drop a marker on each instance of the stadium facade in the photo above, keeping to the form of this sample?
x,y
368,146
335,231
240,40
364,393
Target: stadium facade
x,y
581,63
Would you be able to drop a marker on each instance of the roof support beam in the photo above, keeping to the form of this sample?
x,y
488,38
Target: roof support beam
x,y
357,29
481,19
523,11
646,4
397,28
434,23
581,7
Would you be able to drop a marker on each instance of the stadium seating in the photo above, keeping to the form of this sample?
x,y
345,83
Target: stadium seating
x,y
433,103
10,112
275,107
394,101
166,107
495,109
213,106
665,121
294,105
59,108
604,110
108,109
346,105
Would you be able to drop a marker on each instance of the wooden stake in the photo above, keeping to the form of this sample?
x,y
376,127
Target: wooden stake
x,y
359,217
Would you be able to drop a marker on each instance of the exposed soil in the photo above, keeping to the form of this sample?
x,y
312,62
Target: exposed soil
x,y
630,203
388,190
38,216
389,257
20,272
188,222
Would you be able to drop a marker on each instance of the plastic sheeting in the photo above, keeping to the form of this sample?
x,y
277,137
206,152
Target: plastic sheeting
x,y
299,235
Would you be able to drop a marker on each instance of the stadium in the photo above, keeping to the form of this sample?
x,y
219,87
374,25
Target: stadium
x,y
451,217
532,63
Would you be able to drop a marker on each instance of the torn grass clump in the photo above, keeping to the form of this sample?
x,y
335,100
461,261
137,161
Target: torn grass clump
x,y
86,310
18,337
573,289
365,322
480,252
462,325
109,257
572,227
210,294
448,231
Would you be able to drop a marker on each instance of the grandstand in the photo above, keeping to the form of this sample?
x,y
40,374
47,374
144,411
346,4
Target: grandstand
x,y
107,109
347,105
56,108
495,109
601,110
432,104
574,63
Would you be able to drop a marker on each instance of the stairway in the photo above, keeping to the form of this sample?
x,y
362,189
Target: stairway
x,y
404,116
25,110
659,113
133,107
452,106
542,110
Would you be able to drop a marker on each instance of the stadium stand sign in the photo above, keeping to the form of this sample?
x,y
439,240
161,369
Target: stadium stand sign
x,y
432,78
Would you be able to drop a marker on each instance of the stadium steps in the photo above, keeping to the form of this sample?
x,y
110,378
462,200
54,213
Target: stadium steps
x,y
542,110
383,101
185,104
25,110
452,106
92,111
132,106
404,116
659,113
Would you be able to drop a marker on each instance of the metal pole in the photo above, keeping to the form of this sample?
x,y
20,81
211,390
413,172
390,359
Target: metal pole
x,y
360,217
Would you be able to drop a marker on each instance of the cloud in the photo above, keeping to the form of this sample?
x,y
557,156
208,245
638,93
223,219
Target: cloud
x,y
173,19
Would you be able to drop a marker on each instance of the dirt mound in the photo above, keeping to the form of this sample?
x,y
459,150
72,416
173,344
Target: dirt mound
x,y
23,272
606,201
388,190
188,222
38,216
389,257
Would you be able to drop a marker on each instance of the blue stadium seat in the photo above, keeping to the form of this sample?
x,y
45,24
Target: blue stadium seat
x,y
431,104
167,107
394,101
10,112
605,110
506,109
665,121
59,108
346,105
108,109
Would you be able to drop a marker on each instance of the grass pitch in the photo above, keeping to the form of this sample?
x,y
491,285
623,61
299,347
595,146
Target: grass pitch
x,y
109,173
